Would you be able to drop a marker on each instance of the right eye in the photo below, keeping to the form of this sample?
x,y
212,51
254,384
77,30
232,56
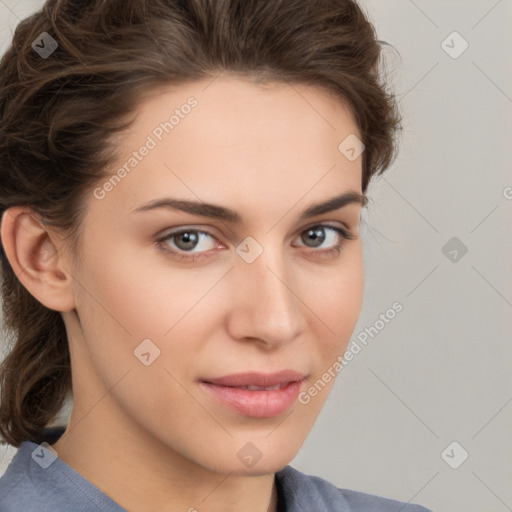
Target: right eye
x,y
183,243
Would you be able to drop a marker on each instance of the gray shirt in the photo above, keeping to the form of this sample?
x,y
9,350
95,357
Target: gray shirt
x,y
38,481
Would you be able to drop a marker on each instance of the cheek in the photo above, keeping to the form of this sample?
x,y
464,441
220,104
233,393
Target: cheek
x,y
142,294
129,299
343,296
338,302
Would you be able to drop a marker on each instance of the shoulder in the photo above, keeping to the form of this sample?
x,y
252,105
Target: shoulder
x,y
37,480
25,481
15,483
300,491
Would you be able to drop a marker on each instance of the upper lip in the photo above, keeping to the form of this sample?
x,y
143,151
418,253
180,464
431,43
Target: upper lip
x,y
258,379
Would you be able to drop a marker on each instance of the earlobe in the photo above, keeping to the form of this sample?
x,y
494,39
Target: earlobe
x,y
37,258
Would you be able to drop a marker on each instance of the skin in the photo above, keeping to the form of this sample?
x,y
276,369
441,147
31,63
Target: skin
x,y
267,152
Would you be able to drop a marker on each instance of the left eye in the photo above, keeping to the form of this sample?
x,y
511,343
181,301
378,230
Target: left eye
x,y
185,240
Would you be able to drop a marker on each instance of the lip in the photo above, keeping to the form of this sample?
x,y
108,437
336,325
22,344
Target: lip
x,y
231,391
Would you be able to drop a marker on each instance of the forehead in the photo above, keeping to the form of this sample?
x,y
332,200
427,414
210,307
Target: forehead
x,y
243,101
231,139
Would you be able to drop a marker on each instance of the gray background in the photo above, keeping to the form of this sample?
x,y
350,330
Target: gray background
x,y
440,371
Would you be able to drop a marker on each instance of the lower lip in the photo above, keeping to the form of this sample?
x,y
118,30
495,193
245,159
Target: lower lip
x,y
256,404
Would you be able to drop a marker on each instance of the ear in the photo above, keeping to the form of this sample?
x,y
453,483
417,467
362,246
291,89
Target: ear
x,y
38,258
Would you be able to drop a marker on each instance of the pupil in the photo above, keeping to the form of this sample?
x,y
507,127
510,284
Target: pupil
x,y
317,235
188,237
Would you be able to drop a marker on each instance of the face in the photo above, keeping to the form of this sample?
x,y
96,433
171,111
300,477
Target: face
x,y
210,331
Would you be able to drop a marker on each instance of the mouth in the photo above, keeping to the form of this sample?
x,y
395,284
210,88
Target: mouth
x,y
256,395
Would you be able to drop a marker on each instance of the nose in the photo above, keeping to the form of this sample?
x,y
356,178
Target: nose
x,y
266,303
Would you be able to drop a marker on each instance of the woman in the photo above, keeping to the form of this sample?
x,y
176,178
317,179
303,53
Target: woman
x,y
181,187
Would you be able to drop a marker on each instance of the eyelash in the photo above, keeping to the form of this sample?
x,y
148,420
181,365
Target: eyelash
x,y
345,235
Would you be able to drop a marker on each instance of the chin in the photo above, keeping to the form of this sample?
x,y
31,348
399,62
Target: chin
x,y
250,462
261,470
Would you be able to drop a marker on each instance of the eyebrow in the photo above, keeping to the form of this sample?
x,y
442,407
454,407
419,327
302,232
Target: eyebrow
x,y
222,213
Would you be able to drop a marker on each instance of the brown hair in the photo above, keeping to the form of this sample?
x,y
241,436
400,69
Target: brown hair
x,y
58,115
